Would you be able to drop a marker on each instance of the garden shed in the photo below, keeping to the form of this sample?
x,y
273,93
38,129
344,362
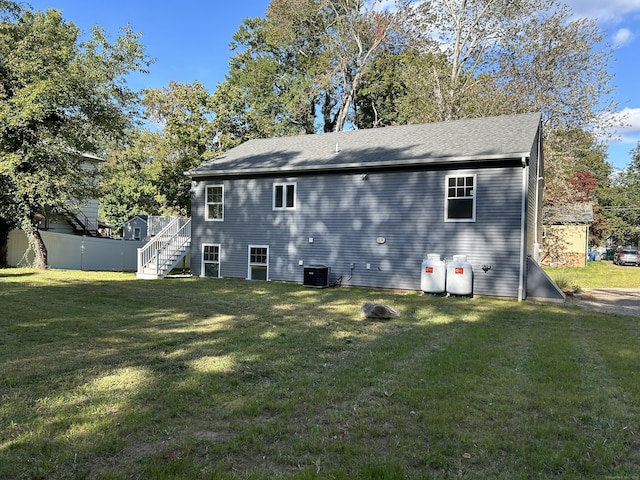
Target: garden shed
x,y
135,228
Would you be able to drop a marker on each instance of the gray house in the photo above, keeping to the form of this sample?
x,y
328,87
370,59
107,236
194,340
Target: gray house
x,y
135,228
372,204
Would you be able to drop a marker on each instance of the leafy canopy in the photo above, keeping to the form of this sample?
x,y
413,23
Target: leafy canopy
x,y
60,97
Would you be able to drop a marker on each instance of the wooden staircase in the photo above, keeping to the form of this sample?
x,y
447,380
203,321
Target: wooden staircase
x,y
163,252
80,222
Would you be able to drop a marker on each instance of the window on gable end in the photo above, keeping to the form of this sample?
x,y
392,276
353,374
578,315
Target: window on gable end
x,y
214,207
460,201
284,196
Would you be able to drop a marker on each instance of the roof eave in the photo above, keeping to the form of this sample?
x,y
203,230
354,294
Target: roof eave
x,y
435,161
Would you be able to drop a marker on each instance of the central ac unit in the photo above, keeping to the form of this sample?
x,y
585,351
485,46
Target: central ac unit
x,y
316,276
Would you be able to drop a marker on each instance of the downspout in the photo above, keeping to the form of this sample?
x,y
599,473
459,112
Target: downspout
x,y
523,225
539,192
586,245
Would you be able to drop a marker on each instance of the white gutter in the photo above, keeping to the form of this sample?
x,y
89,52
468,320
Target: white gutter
x,y
523,225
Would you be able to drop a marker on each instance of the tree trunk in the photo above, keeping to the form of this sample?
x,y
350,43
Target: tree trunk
x,y
36,242
4,239
341,118
347,101
41,260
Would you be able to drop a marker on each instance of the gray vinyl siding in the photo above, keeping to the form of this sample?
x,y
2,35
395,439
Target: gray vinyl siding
x,y
345,215
128,228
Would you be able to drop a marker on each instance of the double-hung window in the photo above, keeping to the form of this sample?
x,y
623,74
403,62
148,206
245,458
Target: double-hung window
x,y
211,261
284,196
214,202
460,201
258,262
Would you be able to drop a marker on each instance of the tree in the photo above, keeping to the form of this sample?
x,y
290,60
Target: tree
x,y
58,97
302,65
343,62
129,178
356,34
184,112
559,66
623,208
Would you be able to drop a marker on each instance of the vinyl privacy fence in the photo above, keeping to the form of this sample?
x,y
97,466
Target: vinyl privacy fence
x,y
73,252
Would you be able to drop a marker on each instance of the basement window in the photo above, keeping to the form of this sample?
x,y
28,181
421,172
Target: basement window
x,y
211,261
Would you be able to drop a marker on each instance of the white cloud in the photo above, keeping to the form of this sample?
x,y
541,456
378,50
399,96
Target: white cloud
x,y
630,133
623,36
611,11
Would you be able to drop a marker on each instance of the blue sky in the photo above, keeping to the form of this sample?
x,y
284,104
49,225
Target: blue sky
x,y
190,42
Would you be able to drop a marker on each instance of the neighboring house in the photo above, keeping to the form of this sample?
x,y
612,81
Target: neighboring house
x,y
75,218
371,204
566,235
135,228
74,237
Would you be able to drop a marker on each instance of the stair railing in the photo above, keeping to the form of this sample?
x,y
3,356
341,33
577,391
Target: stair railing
x,y
173,248
159,251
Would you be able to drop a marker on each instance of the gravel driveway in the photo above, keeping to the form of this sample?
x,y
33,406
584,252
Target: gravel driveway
x,y
625,301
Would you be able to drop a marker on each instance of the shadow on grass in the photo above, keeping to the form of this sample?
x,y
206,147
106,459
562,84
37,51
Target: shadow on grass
x,y
119,375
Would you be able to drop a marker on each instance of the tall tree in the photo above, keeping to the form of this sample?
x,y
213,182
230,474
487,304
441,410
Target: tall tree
x,y
623,208
535,53
184,113
129,178
58,96
468,34
559,66
302,64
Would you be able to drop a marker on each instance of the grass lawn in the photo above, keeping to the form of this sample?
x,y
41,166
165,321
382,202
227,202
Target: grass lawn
x,y
597,275
109,377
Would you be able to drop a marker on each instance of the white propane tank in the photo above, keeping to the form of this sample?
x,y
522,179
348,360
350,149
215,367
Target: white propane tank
x,y
459,276
433,275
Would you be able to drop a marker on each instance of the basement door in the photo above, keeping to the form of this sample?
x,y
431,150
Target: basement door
x,y
258,262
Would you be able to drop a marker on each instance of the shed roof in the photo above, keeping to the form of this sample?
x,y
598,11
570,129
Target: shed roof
x,y
142,217
476,139
578,213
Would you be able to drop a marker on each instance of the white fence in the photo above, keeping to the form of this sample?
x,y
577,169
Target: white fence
x,y
73,252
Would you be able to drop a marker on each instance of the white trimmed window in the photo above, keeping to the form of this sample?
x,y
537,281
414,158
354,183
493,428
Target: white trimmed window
x,y
284,196
460,201
214,203
210,261
258,262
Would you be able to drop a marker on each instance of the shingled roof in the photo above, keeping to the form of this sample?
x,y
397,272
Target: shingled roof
x,y
577,213
479,139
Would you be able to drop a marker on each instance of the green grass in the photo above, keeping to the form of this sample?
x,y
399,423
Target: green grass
x,y
596,275
108,377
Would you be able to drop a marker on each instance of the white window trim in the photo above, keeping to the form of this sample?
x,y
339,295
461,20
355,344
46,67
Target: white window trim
x,y
249,260
446,197
206,204
284,196
202,262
